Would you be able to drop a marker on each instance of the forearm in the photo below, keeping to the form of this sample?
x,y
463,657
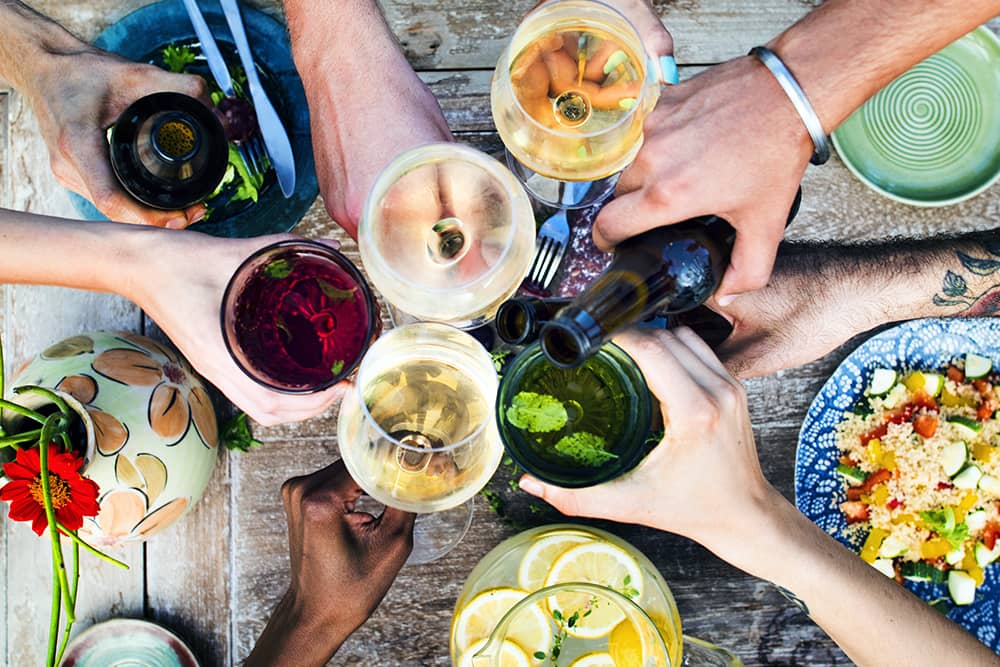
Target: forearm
x,y
846,50
94,256
871,617
290,639
900,279
28,40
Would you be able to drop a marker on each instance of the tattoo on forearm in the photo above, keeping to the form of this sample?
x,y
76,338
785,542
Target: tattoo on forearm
x,y
793,598
955,289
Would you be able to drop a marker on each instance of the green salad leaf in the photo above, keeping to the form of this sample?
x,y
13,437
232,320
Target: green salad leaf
x,y
177,58
236,434
335,293
585,449
537,413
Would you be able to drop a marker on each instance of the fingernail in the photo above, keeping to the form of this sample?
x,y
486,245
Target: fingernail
x,y
530,485
727,299
197,215
176,223
668,70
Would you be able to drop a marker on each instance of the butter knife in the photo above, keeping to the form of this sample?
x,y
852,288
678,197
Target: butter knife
x,y
216,63
279,148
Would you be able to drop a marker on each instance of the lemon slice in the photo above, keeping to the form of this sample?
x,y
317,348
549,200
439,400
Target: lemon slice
x,y
531,630
597,563
537,560
510,655
598,660
625,645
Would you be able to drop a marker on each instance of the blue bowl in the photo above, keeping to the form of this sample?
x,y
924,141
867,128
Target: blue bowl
x,y
146,31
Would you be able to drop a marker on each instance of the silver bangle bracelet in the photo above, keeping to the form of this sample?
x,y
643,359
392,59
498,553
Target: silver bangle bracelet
x,y
821,144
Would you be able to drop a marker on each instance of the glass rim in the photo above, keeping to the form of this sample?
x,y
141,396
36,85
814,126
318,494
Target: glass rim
x,y
340,260
540,595
509,87
367,415
437,152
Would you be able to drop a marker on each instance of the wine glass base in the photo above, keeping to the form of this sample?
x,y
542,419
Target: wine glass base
x,y
699,653
562,194
434,534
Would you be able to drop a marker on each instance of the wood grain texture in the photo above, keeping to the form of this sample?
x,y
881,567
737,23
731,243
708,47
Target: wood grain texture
x,y
4,188
187,572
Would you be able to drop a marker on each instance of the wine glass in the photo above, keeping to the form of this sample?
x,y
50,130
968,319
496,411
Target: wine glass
x,y
297,316
417,432
447,234
569,95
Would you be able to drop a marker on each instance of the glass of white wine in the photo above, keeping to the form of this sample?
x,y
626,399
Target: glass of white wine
x,y
417,432
569,96
447,234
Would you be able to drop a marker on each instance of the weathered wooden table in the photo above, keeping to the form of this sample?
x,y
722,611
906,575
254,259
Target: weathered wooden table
x,y
215,577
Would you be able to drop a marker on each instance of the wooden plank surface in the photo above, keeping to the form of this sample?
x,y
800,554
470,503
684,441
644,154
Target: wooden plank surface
x,y
215,577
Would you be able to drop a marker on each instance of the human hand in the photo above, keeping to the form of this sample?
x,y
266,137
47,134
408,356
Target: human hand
x,y
703,480
76,97
185,303
726,142
342,564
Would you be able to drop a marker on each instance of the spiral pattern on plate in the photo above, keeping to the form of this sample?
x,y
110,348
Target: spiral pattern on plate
x,y
926,119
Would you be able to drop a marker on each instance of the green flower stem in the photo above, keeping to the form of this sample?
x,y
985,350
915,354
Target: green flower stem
x,y
76,584
54,618
47,393
27,436
49,430
21,410
103,556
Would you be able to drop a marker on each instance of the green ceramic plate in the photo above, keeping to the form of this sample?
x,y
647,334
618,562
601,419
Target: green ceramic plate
x,y
126,642
932,136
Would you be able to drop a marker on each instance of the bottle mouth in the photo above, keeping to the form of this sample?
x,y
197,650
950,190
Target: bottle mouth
x,y
513,322
564,343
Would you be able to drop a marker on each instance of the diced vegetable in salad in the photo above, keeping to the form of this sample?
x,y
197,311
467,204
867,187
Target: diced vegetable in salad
x,y
921,471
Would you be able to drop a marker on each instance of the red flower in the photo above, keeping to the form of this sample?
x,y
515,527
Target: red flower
x,y
73,496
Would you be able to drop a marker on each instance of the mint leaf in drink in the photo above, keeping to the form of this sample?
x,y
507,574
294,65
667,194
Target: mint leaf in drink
x,y
236,434
586,449
536,413
337,366
279,268
335,293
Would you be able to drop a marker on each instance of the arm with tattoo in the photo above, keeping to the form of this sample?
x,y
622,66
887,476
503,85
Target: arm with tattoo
x,y
819,296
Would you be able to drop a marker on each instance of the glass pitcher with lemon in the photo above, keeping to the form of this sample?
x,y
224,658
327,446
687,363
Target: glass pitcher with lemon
x,y
571,596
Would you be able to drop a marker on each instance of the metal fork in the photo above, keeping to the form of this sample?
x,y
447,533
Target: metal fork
x,y
254,156
553,237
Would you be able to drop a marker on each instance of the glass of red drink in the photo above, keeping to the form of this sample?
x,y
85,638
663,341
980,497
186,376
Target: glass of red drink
x,y
297,316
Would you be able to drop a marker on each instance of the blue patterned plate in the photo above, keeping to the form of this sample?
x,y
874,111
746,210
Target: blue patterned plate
x,y
128,641
148,29
919,344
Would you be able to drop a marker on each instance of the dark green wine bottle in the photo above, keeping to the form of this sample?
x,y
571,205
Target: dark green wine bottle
x,y
664,270
168,151
520,319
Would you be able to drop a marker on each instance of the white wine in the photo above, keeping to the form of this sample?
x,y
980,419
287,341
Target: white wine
x,y
424,439
570,95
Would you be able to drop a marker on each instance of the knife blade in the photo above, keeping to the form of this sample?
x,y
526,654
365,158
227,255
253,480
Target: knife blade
x,y
216,63
279,148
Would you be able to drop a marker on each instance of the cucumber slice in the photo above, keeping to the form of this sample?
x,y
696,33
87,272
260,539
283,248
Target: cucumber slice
x,y
921,571
884,565
961,587
976,519
851,474
953,457
933,383
990,485
968,478
954,557
883,380
966,427
986,556
976,366
891,547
